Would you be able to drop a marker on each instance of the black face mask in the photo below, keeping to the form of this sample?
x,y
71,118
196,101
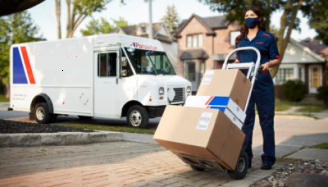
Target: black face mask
x,y
251,22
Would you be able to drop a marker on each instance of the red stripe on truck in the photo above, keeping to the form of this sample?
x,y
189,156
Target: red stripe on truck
x,y
27,65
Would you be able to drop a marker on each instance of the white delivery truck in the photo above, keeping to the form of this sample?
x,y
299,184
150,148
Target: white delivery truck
x,y
107,76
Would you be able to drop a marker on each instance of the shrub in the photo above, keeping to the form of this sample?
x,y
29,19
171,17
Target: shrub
x,y
294,90
322,94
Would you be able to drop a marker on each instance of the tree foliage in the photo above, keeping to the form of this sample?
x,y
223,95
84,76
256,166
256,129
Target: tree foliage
x,y
288,21
102,26
77,11
171,19
15,28
317,12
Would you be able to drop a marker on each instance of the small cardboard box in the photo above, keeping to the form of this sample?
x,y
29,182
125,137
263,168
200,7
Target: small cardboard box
x,y
226,82
218,102
201,133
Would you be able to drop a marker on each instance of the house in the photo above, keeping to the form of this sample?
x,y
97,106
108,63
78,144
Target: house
x,y
305,61
203,44
159,33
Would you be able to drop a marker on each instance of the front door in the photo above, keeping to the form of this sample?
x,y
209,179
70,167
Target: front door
x,y
194,71
315,78
107,89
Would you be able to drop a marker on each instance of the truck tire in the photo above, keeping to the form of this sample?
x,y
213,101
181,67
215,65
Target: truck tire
x,y
241,167
42,114
137,117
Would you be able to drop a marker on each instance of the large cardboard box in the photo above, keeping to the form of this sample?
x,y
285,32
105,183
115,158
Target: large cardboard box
x,y
226,82
201,133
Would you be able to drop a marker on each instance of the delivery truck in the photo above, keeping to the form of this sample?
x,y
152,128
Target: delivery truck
x,y
108,76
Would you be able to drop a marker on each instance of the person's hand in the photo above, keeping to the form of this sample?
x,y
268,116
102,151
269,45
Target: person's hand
x,y
265,68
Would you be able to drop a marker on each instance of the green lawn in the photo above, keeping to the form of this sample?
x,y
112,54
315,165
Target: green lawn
x,y
281,105
3,98
111,128
312,108
320,146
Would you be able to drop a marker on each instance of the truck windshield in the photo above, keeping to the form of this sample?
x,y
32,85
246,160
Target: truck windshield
x,y
150,62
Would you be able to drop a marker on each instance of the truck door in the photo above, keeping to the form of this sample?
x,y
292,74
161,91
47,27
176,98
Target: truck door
x,y
107,90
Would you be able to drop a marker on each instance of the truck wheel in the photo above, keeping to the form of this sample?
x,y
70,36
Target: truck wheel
x,y
42,114
241,167
137,117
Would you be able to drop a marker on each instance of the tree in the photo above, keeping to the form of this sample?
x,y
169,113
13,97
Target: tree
x,y
95,27
171,19
288,21
317,12
120,22
77,11
15,28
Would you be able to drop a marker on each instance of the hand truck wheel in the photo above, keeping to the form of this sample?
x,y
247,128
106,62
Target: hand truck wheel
x,y
241,167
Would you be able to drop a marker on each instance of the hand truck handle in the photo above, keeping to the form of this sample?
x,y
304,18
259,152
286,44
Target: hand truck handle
x,y
250,66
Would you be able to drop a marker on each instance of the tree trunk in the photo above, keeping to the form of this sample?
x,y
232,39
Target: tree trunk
x,y
58,8
68,25
283,41
7,91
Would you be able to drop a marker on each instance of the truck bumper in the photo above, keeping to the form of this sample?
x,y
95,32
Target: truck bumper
x,y
155,111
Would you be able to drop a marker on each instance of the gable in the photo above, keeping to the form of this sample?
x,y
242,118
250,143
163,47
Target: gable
x,y
296,54
162,30
194,26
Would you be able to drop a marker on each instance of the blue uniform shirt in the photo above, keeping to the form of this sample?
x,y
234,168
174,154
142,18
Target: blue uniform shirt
x,y
266,43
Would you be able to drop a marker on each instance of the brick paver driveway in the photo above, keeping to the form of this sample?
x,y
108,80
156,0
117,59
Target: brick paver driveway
x,y
102,164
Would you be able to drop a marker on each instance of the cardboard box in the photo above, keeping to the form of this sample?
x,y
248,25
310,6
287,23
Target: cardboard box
x,y
217,102
226,82
201,133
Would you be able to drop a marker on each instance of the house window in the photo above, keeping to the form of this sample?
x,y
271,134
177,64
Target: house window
x,y
284,75
233,36
195,40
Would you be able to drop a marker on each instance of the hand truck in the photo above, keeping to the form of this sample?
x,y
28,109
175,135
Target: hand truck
x,y
200,164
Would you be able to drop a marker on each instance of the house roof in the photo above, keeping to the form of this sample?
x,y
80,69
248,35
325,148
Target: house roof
x,y
306,51
194,54
210,23
132,30
316,47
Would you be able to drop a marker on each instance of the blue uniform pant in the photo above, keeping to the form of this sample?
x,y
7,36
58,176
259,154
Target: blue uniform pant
x,y
264,100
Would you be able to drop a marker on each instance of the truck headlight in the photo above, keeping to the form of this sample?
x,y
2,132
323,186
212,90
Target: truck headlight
x,y
161,91
188,89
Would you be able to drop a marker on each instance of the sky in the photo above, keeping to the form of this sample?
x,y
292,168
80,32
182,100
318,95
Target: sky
x,y
136,11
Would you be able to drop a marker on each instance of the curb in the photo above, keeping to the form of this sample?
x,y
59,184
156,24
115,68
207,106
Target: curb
x,y
61,138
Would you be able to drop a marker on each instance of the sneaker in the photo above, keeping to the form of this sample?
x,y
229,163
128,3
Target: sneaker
x,y
266,166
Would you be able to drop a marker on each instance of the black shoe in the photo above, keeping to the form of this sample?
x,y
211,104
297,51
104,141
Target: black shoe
x,y
266,166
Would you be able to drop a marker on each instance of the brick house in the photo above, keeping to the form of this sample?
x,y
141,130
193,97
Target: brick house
x,y
203,44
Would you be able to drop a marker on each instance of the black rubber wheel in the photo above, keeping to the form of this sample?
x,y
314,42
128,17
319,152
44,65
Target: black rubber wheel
x,y
241,167
85,117
137,117
197,168
41,112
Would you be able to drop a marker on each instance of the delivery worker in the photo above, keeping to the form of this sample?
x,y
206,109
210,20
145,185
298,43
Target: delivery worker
x,y
253,34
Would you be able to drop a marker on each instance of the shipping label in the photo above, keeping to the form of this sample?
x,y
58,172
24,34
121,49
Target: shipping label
x,y
207,77
204,121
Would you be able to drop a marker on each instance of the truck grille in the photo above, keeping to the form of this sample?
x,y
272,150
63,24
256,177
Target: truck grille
x,y
179,95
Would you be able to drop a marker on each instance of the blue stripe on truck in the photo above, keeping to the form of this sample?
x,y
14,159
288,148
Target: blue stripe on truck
x,y
19,76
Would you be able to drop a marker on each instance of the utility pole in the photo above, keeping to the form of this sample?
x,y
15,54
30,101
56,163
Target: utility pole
x,y
150,35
